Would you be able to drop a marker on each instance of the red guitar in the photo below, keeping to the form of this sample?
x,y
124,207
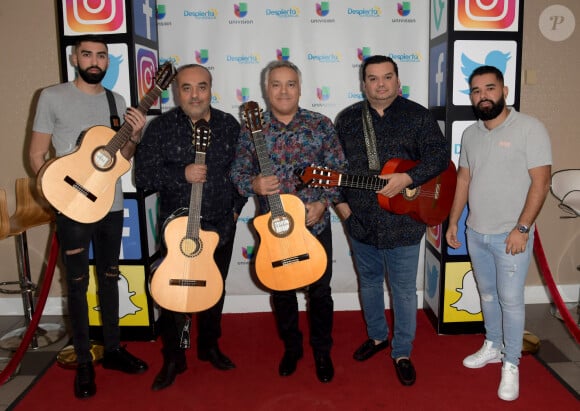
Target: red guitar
x,y
429,203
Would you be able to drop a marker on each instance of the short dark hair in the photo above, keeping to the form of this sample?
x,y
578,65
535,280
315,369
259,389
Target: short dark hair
x,y
93,38
377,59
194,65
487,70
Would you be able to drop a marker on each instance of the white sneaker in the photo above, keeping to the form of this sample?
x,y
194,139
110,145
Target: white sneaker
x,y
509,387
486,355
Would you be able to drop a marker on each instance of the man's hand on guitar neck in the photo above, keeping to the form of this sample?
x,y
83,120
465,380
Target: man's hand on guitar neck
x,y
136,119
397,182
266,185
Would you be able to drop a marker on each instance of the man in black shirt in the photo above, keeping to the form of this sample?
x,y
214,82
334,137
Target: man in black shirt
x,y
396,128
165,162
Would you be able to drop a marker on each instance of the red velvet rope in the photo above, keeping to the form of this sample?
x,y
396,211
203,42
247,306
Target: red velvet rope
x,y
549,279
27,338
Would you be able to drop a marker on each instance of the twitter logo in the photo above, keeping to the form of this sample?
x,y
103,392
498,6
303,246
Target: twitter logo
x,y
494,58
112,75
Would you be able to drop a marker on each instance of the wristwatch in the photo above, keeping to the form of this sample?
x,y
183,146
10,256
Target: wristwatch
x,y
524,229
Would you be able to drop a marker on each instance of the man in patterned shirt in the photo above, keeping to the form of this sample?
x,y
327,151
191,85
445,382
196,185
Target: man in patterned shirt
x,y
295,138
165,162
382,241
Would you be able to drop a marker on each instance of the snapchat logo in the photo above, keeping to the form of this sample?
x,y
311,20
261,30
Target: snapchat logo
x,y
461,299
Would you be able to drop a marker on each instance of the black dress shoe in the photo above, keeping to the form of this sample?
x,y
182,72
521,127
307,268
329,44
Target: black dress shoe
x,y
85,386
288,364
324,368
217,358
121,360
368,349
405,371
167,375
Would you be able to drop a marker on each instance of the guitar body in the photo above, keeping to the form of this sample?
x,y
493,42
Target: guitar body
x,y
288,259
429,203
188,280
75,186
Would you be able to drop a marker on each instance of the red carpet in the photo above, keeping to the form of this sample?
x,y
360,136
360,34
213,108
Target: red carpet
x,y
252,343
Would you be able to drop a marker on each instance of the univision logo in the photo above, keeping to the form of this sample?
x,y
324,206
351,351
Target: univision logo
x,y
405,91
248,252
363,53
161,13
283,54
202,56
243,94
241,10
322,8
404,8
323,93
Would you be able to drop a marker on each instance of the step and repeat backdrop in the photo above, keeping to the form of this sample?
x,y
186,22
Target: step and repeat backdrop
x,y
327,40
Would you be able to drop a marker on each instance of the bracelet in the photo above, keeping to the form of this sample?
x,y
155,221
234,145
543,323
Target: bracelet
x,y
133,141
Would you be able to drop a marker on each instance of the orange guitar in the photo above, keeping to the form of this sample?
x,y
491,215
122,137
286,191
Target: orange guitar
x,y
81,185
188,279
288,256
429,203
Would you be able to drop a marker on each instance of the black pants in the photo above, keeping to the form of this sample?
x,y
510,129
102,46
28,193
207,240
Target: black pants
x,y
74,239
320,309
171,324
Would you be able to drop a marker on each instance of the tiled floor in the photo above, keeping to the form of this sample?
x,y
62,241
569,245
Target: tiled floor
x,y
558,351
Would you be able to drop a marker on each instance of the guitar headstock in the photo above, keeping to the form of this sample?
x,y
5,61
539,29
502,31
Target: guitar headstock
x,y
252,116
165,75
201,136
319,177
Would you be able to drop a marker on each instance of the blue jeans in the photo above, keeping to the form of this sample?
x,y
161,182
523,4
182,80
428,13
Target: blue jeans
x,y
501,281
400,265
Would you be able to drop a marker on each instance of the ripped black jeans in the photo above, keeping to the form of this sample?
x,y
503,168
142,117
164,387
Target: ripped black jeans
x,y
74,239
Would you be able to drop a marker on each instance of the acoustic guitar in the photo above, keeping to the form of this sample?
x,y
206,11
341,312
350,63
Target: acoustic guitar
x,y
288,256
81,185
429,203
188,279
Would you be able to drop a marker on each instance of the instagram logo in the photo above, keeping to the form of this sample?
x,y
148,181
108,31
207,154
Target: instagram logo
x,y
486,14
146,69
97,16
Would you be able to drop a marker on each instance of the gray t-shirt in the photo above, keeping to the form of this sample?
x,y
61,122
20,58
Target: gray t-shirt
x,y
64,111
498,161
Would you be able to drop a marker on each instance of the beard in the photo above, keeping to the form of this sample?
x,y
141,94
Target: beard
x,y
92,78
489,113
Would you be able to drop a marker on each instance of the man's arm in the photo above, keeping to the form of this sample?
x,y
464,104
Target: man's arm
x,y
459,202
137,120
39,147
539,187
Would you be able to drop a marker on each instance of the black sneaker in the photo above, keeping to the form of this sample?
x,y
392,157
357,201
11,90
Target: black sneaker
x,y
121,360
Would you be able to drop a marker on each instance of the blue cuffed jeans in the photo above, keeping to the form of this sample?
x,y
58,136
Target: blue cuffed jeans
x,y
400,266
501,281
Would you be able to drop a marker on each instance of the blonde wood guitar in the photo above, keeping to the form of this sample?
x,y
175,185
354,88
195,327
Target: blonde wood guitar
x,y
288,256
188,279
81,185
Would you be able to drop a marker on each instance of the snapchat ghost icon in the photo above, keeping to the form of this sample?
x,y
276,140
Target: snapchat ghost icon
x,y
469,300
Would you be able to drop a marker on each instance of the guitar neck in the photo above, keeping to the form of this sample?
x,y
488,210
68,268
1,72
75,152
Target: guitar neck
x,y
124,133
267,169
194,216
363,182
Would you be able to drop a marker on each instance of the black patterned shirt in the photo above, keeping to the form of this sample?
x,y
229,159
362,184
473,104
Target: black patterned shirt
x,y
166,149
406,131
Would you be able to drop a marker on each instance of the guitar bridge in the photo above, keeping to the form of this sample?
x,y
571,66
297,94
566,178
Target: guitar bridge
x,y
188,283
80,189
290,260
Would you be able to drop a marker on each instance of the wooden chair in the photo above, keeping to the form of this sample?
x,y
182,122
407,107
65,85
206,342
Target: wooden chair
x,y
31,211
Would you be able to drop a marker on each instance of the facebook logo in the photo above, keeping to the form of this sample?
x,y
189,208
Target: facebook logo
x,y
145,19
437,75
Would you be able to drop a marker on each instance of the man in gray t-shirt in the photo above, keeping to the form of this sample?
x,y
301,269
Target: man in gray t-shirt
x,y
63,112
504,175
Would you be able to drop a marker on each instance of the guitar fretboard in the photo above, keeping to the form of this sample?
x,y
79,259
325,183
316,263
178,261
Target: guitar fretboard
x,y
364,182
267,169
